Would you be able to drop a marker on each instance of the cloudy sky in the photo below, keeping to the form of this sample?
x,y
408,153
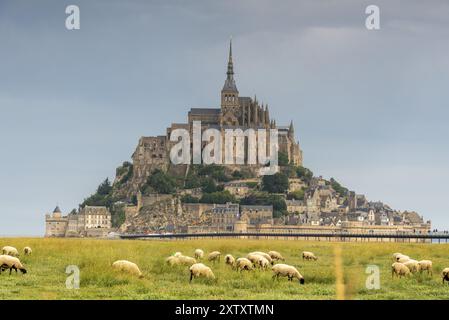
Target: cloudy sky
x,y
370,108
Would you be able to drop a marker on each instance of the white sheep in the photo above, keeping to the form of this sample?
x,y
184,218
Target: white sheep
x,y
399,269
9,262
285,270
412,265
186,260
307,255
177,254
263,254
425,265
230,260
214,256
27,251
10,251
395,255
445,274
201,270
199,254
244,264
127,266
173,261
402,258
275,256
263,263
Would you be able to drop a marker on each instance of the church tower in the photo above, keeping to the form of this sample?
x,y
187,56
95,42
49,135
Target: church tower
x,y
230,107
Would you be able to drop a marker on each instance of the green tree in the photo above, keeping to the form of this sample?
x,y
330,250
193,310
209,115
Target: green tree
x,y
305,174
187,198
161,182
275,183
342,191
296,195
208,185
104,188
266,199
282,159
220,197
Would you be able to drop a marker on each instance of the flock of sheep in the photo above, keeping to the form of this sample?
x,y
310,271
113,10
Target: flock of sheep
x,y
9,259
405,266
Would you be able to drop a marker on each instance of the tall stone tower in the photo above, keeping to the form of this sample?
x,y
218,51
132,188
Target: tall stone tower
x,y
230,107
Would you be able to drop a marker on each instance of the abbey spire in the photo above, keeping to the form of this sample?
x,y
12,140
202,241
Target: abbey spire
x,y
229,93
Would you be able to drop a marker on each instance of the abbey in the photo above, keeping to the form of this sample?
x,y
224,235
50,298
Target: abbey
x,y
235,112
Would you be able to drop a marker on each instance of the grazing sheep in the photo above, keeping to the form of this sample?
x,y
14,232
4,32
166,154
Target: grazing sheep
x,y
307,255
395,255
27,251
402,258
399,269
173,261
425,265
10,251
412,265
263,263
230,260
445,274
127,266
263,254
244,264
275,256
199,254
201,270
285,270
186,260
177,254
214,256
9,262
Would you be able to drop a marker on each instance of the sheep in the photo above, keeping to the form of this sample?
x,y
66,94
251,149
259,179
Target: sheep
x,y
286,270
263,254
199,254
10,251
173,261
177,254
445,274
244,264
412,265
263,263
214,256
9,262
186,260
27,251
201,270
307,255
230,260
395,255
127,266
399,269
425,265
276,256
402,258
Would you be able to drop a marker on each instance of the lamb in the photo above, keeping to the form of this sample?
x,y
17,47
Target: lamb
x,y
275,256
286,270
399,269
244,264
412,265
425,265
173,261
127,266
27,251
263,254
230,260
201,270
445,275
186,260
214,256
307,255
9,262
10,251
199,254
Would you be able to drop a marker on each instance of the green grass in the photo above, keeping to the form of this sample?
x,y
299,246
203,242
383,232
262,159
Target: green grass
x,y
46,275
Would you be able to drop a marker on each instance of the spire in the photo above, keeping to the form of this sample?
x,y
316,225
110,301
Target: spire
x,y
291,130
230,82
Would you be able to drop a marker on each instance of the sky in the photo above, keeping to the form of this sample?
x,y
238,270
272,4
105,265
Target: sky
x,y
370,107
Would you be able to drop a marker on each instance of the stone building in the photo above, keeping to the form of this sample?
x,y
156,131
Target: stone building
x,y
235,112
90,221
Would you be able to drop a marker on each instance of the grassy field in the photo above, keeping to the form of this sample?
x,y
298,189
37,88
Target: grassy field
x,y
46,275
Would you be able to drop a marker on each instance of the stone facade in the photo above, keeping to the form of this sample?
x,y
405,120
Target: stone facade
x,y
88,222
236,112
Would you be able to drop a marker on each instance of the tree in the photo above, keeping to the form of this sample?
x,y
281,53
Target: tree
x,y
220,197
208,185
276,183
342,191
187,198
305,174
161,182
296,195
266,199
104,188
282,159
